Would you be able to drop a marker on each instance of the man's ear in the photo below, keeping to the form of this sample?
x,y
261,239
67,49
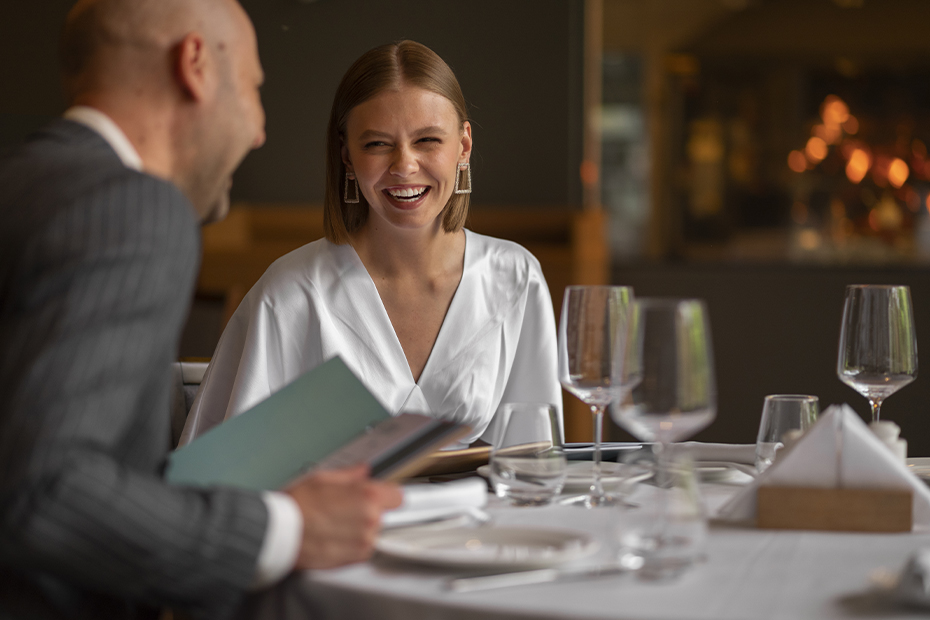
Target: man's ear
x,y
194,67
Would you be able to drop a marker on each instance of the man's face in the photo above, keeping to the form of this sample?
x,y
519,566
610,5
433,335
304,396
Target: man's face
x,y
235,122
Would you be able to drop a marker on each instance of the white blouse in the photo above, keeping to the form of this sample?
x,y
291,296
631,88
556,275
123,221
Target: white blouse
x,y
497,343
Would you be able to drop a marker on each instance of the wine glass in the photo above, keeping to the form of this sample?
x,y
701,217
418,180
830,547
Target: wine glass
x,y
592,331
878,344
669,365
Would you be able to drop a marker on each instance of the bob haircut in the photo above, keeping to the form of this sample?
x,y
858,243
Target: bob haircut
x,y
383,68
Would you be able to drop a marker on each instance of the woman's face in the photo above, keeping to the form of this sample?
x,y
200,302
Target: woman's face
x,y
404,147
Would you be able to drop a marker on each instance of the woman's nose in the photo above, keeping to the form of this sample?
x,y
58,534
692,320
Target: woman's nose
x,y
405,162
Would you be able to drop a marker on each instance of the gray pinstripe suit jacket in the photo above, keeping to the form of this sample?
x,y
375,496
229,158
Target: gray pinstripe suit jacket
x,y
97,264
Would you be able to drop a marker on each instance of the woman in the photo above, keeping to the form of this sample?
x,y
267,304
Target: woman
x,y
432,318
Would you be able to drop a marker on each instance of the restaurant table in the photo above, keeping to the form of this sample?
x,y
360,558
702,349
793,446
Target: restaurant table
x,y
748,573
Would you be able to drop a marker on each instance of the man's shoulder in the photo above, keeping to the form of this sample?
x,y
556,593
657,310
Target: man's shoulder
x,y
67,169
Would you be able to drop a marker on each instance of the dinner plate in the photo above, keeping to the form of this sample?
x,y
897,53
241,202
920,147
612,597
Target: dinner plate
x,y
724,472
511,547
615,477
920,467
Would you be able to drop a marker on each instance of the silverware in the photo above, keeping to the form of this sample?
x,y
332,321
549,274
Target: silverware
x,y
528,577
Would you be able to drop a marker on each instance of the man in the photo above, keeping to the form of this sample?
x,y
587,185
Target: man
x,y
98,255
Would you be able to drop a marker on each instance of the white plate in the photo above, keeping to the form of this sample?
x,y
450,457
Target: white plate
x,y
920,467
725,472
615,477
511,547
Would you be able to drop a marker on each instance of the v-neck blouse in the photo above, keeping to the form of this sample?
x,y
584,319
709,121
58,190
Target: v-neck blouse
x,y
497,342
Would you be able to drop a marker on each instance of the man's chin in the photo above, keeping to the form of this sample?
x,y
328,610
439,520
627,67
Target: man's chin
x,y
217,211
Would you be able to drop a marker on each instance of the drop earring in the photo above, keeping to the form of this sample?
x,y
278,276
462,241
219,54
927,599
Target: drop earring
x,y
463,173
345,195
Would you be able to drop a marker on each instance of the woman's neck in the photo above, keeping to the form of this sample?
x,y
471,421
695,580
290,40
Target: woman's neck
x,y
391,253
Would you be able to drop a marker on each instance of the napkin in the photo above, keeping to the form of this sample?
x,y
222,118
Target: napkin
x,y
428,502
913,585
729,452
838,451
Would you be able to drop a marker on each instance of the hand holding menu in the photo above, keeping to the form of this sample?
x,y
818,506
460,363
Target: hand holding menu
x,y
326,418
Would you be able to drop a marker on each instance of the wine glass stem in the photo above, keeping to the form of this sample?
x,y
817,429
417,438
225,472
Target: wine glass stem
x,y
876,409
597,491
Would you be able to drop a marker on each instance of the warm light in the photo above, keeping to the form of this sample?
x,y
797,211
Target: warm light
x,y
858,165
851,125
809,239
834,111
816,149
928,203
797,161
898,172
588,172
829,133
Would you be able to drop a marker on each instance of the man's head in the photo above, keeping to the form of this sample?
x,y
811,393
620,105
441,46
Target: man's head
x,y
180,77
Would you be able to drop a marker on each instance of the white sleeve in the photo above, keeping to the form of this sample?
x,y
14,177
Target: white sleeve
x,y
282,539
534,375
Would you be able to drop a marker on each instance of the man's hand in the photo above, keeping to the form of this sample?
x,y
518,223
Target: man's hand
x,y
342,515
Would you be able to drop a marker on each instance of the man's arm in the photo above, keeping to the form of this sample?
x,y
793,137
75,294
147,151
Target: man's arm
x,y
91,315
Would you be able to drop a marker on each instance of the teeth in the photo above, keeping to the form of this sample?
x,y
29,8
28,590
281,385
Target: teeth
x,y
407,193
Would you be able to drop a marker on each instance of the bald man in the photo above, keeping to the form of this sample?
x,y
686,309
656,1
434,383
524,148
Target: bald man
x,y
98,257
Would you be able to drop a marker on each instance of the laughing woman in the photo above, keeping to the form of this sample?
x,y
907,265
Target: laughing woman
x,y
433,318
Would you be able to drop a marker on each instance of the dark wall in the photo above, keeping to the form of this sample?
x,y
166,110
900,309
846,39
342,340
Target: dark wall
x,y
519,63
776,331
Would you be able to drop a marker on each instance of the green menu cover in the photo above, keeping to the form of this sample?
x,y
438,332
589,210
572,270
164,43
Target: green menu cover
x,y
269,445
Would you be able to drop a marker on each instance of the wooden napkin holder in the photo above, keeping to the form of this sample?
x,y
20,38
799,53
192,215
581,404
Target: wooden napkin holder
x,y
837,510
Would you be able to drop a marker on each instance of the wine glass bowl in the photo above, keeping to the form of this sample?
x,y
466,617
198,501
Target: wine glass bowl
x,y
592,332
878,343
670,370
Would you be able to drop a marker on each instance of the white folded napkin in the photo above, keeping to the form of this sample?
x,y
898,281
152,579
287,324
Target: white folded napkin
x,y
729,452
426,502
839,451
913,586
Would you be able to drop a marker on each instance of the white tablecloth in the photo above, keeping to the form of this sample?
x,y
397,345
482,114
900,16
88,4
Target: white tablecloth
x,y
748,574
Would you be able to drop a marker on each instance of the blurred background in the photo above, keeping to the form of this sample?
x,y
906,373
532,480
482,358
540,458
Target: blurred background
x,y
759,154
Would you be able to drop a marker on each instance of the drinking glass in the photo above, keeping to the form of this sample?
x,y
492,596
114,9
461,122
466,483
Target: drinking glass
x,y
669,532
878,344
592,333
528,459
669,364
780,414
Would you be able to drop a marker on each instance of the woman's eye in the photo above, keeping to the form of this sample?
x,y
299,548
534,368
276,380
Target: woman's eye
x,y
375,144
429,140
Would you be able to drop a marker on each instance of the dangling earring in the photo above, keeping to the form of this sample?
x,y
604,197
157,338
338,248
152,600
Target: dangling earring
x,y
345,194
463,171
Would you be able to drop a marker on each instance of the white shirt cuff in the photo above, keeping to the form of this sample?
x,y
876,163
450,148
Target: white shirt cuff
x,y
282,539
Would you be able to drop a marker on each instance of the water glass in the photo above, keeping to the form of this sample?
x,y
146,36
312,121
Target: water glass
x,y
668,532
528,458
781,414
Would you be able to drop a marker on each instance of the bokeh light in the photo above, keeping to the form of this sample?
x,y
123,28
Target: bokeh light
x,y
797,161
898,172
858,165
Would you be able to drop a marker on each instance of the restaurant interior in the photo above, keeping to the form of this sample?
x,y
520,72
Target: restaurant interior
x,y
758,154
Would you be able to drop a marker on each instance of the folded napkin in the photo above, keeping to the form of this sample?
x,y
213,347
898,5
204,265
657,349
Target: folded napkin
x,y
913,585
426,502
729,452
839,451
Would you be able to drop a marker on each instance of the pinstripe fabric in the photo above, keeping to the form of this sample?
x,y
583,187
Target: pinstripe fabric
x,y
97,264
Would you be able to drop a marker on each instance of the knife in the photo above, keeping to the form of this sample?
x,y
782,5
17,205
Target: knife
x,y
529,577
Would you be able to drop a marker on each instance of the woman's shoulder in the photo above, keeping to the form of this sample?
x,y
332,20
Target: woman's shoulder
x,y
505,255
315,264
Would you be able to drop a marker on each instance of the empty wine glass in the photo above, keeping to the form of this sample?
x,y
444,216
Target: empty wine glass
x,y
592,330
671,370
878,344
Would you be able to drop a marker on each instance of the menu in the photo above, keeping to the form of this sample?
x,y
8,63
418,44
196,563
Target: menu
x,y
326,418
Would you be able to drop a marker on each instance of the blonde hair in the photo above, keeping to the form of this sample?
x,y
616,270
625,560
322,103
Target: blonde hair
x,y
377,70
